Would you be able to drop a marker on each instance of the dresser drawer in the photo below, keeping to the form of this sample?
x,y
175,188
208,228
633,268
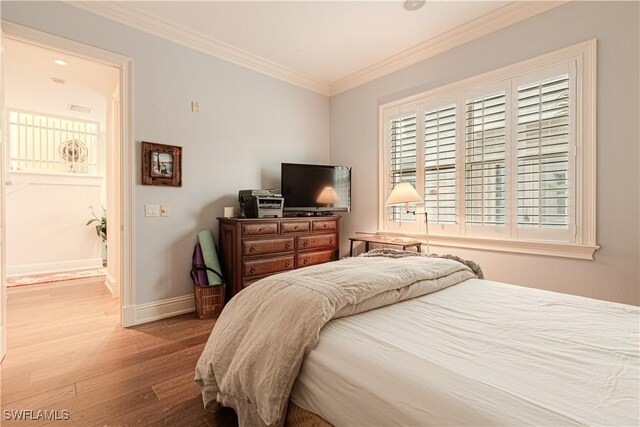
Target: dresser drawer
x,y
267,246
316,241
267,266
260,229
313,258
295,227
324,226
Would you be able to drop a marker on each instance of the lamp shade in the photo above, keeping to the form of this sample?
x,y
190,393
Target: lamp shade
x,y
328,196
403,193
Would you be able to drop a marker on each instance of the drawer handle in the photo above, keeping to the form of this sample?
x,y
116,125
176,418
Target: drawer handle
x,y
331,241
252,248
260,229
305,243
295,227
305,262
287,246
252,270
286,264
324,225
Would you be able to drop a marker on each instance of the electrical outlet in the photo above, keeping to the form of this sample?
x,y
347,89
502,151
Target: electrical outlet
x,y
164,210
151,210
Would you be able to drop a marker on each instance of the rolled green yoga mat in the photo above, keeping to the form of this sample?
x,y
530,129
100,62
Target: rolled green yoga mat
x,y
210,256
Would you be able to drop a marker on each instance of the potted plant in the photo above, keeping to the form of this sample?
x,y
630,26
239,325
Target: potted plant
x,y
101,230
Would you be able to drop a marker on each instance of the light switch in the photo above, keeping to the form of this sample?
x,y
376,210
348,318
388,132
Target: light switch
x,y
151,210
195,106
164,210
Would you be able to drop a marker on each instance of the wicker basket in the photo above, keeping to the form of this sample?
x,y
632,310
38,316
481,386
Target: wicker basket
x,y
209,300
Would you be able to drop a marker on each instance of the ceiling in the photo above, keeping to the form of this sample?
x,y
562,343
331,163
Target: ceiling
x,y
327,46
28,72
326,40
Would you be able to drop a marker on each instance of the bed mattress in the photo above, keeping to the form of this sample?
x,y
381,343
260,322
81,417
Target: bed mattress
x,y
478,353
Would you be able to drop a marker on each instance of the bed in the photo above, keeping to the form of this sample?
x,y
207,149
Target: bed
x,y
446,348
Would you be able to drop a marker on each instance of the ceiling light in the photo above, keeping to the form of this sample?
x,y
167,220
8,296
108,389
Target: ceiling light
x,y
413,4
60,61
58,80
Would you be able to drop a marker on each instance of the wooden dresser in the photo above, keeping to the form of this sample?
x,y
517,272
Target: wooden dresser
x,y
253,248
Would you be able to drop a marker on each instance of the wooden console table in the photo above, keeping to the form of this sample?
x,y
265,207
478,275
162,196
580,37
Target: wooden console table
x,y
394,241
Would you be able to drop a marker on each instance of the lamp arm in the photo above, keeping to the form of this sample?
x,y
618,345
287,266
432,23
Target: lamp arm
x,y
426,221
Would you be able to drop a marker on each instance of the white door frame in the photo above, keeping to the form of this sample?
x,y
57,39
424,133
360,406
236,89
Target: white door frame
x,y
3,263
124,163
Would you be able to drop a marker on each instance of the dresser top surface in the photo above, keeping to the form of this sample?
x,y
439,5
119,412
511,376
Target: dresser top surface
x,y
286,218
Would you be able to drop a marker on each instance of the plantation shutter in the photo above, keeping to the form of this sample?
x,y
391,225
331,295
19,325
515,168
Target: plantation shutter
x,y
403,161
543,153
440,164
485,157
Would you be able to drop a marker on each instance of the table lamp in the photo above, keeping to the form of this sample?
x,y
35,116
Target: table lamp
x,y
405,193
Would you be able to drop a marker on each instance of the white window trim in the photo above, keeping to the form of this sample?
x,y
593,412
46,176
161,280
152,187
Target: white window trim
x,y
585,191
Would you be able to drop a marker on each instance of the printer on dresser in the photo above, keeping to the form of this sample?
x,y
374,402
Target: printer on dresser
x,y
253,248
260,204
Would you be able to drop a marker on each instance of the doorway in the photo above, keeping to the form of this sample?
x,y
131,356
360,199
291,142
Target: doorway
x,y
85,151
61,114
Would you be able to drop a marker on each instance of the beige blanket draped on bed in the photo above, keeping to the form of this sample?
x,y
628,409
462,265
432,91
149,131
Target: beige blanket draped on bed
x,y
257,346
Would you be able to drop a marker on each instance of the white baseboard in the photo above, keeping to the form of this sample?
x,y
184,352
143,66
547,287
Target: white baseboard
x,y
112,284
128,315
53,267
143,313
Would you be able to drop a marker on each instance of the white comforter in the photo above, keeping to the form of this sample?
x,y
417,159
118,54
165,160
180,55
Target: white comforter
x,y
478,353
255,350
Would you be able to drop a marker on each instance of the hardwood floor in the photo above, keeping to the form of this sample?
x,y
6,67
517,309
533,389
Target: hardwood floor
x,y
67,352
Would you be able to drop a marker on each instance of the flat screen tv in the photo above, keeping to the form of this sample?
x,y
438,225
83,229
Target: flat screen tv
x,y
318,189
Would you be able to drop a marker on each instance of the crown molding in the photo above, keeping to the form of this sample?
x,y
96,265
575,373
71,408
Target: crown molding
x,y
125,13
503,17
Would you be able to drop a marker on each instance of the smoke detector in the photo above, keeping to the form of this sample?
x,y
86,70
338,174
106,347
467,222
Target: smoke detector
x,y
412,5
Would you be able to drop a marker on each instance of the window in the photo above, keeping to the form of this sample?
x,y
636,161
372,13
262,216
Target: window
x,y
440,163
403,154
543,131
43,143
485,160
504,161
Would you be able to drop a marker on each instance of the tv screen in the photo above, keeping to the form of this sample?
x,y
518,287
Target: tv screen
x,y
316,188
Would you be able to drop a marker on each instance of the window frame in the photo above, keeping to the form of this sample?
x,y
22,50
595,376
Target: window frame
x,y
582,174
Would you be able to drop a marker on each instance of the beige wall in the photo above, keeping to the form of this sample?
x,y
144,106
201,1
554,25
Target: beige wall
x,y
614,274
45,218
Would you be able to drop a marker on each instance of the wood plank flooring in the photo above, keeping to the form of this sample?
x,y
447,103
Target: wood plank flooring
x,y
67,352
